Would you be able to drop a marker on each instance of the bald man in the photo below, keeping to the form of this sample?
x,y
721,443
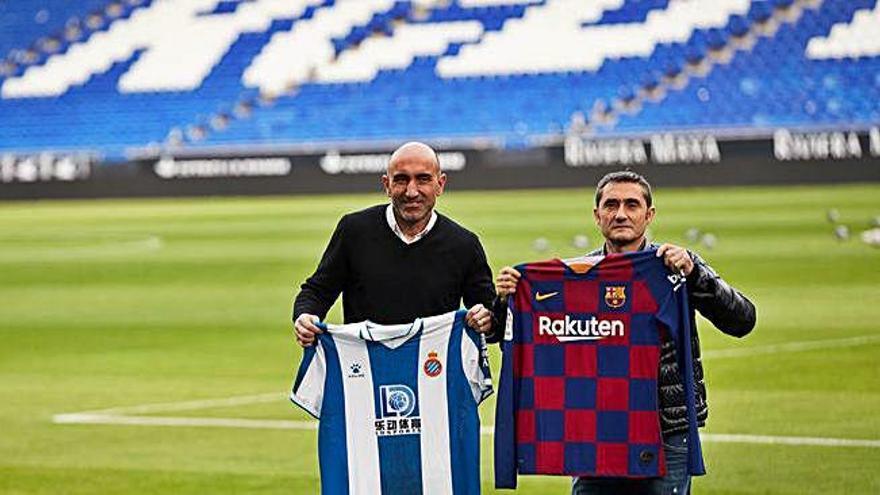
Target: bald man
x,y
400,261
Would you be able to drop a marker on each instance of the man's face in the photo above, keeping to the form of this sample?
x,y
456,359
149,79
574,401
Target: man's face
x,y
413,183
623,214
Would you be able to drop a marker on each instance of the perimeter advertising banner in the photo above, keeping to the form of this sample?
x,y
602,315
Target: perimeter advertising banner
x,y
693,159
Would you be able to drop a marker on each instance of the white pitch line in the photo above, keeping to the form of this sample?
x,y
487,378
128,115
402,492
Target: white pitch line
x,y
107,419
190,405
808,345
813,441
278,424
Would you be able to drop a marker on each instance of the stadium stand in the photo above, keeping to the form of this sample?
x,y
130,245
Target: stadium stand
x,y
52,27
211,74
835,81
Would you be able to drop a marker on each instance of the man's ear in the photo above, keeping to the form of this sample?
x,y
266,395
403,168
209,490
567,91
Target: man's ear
x,y
649,215
386,184
441,181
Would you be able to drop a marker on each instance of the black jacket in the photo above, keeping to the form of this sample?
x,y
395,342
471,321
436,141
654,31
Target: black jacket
x,y
726,308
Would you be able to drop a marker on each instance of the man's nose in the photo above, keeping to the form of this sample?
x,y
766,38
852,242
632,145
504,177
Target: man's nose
x,y
412,190
620,213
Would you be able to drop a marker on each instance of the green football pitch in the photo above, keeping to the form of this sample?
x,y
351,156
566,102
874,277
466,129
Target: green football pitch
x,y
170,318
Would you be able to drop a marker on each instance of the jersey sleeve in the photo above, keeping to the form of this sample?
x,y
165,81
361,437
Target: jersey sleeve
x,y
675,314
505,417
308,388
475,361
670,294
696,466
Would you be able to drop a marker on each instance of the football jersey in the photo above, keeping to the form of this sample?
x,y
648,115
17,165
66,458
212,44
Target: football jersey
x,y
578,390
397,406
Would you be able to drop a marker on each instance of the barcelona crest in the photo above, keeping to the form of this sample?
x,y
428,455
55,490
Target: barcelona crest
x,y
615,296
433,366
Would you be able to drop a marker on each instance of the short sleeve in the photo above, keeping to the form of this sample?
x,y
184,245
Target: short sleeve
x,y
308,388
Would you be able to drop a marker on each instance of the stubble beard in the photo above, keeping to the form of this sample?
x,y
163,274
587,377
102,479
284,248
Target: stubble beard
x,y
625,238
410,219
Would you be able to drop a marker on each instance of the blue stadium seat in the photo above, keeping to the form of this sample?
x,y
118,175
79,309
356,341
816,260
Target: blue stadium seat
x,y
769,84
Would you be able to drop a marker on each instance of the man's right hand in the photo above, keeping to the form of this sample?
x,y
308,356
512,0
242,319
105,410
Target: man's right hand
x,y
505,282
305,327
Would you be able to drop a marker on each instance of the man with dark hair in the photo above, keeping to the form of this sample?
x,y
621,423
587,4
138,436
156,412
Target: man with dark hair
x,y
397,262
623,211
625,176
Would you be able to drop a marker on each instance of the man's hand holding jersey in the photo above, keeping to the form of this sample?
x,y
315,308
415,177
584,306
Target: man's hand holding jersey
x,y
676,259
479,318
305,327
505,282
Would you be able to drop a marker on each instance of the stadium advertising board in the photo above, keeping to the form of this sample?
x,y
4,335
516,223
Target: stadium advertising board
x,y
661,149
785,157
788,145
335,163
167,167
45,167
658,149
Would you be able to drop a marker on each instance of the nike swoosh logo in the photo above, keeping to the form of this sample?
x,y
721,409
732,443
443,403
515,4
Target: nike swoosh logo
x,y
541,297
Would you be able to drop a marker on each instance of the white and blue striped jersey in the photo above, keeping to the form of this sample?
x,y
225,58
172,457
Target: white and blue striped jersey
x,y
397,406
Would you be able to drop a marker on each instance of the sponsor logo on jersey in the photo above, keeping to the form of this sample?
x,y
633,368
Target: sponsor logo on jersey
x,y
433,367
356,370
615,296
397,404
542,297
397,400
568,329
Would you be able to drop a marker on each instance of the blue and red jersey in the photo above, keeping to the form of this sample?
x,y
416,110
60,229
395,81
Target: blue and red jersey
x,y
578,391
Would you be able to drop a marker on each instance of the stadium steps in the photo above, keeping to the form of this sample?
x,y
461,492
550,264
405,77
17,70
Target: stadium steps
x,y
230,102
351,22
705,51
74,30
361,50
421,33
794,90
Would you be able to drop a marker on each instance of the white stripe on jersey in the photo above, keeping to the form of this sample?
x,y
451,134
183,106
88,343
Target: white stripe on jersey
x,y
310,394
434,408
362,445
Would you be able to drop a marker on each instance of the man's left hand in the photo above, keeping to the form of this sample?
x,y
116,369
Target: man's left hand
x,y
676,259
479,318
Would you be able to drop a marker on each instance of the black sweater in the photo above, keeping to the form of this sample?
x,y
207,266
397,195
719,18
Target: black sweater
x,y
387,281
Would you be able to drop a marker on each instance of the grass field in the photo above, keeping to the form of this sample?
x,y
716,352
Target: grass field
x,y
108,304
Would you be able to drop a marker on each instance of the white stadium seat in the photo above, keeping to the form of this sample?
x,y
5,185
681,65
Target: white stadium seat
x,y
856,39
398,50
180,47
290,57
552,38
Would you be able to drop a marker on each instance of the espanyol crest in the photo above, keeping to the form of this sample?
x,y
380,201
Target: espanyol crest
x,y
433,367
615,296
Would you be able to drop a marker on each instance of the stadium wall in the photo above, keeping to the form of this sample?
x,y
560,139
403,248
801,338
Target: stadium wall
x,y
789,157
